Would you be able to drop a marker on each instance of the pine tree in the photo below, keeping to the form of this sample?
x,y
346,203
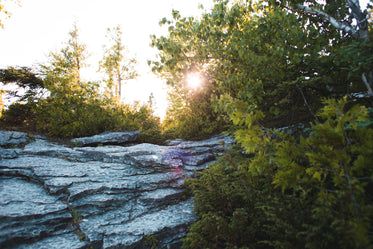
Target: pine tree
x,y
70,108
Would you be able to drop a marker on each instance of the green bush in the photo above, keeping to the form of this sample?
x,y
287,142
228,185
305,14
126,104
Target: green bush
x,y
194,125
21,116
75,117
241,211
289,192
142,118
152,136
191,114
72,117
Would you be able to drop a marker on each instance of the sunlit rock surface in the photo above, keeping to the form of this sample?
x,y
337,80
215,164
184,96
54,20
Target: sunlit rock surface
x,y
13,138
118,138
54,196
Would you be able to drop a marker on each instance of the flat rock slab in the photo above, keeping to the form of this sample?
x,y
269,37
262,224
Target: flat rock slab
x,y
54,196
113,138
13,138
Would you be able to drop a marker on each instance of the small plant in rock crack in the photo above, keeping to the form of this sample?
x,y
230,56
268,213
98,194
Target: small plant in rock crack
x,y
75,144
32,138
77,218
81,235
151,241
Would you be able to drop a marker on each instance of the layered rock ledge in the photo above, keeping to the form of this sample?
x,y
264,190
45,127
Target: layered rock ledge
x,y
55,196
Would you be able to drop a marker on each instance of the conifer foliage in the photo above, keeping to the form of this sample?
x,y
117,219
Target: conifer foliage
x,y
73,107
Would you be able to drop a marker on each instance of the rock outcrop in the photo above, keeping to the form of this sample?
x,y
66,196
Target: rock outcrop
x,y
13,138
113,138
55,196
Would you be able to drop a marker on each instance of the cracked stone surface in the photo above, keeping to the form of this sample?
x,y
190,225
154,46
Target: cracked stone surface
x,y
13,138
55,196
107,138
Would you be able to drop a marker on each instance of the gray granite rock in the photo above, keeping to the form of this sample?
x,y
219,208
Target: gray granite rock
x,y
13,138
113,138
54,196
8,153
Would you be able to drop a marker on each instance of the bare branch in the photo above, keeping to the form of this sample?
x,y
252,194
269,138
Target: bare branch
x,y
306,103
370,91
347,175
360,33
361,18
337,24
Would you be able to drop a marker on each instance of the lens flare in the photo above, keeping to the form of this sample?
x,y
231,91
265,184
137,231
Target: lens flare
x,y
194,80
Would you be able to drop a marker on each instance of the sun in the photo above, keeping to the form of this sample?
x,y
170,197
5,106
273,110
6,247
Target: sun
x,y
194,80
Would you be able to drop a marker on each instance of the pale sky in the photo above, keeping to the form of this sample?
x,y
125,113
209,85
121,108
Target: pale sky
x,y
39,27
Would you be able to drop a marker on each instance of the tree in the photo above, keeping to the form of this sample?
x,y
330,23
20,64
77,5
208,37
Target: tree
x,y
191,114
70,108
116,66
257,58
272,67
1,102
28,89
4,13
346,16
26,78
62,74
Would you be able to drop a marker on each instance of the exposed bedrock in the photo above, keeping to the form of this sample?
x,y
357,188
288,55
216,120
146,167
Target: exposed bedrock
x,y
55,196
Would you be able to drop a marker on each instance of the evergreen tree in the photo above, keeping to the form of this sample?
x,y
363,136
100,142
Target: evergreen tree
x,y
62,74
73,103
115,65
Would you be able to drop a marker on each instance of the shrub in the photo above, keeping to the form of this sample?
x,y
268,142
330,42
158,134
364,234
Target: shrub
x,y
19,115
76,117
73,118
290,192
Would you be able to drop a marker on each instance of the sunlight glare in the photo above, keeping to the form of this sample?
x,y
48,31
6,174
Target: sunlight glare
x,y
194,80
